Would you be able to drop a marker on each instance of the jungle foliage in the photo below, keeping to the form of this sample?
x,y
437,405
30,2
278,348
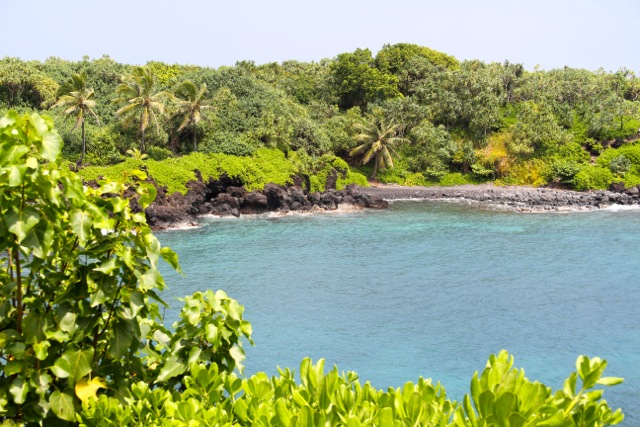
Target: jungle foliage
x,y
481,121
82,341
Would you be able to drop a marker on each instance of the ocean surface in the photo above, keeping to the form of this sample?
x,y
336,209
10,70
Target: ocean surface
x,y
428,289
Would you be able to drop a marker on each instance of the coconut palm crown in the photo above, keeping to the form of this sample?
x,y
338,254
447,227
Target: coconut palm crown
x,y
77,100
192,107
142,102
378,140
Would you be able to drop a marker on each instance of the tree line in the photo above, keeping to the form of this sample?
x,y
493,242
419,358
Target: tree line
x,y
411,114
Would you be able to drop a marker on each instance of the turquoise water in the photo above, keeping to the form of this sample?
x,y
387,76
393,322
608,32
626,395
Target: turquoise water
x,y
429,289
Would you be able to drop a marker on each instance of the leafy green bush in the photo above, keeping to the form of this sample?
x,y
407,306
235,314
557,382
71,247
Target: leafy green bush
x,y
631,152
563,170
620,165
533,172
574,152
254,172
78,302
227,143
159,153
593,178
351,178
455,178
500,396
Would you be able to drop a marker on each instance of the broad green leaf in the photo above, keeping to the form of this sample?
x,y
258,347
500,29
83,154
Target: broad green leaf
x,y
237,353
570,385
283,413
62,405
486,403
151,279
147,194
609,381
12,154
16,350
42,383
121,337
33,327
41,349
87,389
16,175
385,417
107,266
13,367
66,318
556,420
353,421
413,407
240,410
504,405
475,389
172,367
136,302
51,146
39,239
141,175
471,414
20,223
305,417
32,163
81,225
170,258
19,390
74,364
516,420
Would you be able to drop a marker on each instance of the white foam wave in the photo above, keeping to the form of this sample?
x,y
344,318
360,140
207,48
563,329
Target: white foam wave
x,y
622,208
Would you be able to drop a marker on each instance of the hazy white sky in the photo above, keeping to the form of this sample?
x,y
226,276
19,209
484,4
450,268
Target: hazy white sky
x,y
552,33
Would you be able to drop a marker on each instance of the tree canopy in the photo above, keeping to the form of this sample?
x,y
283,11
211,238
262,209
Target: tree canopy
x,y
526,117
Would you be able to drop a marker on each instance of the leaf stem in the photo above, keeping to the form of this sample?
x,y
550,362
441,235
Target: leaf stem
x,y
19,307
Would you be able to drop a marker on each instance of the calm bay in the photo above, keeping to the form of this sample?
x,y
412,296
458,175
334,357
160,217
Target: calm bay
x,y
428,289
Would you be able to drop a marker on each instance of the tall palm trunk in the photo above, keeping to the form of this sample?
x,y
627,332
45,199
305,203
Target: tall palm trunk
x,y
195,138
142,146
375,168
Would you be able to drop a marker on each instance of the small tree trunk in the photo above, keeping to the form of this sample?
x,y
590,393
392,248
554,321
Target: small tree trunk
x,y
84,146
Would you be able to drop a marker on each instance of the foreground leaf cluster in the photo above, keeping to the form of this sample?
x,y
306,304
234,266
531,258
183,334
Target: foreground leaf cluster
x,y
82,341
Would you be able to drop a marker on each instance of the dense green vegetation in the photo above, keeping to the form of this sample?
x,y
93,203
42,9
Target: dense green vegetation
x,y
82,341
455,122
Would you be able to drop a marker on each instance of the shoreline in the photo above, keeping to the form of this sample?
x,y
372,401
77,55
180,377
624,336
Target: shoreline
x,y
514,198
510,198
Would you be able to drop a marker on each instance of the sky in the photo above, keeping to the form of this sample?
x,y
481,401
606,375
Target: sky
x,y
589,34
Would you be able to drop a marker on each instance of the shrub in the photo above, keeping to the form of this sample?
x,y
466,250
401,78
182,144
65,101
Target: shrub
x,y
227,143
593,178
620,165
455,178
159,153
78,289
532,172
563,170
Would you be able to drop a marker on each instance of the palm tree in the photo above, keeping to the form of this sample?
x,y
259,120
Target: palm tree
x,y
378,139
77,100
191,107
143,103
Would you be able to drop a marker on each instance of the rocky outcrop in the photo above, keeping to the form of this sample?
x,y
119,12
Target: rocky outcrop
x,y
517,198
226,197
